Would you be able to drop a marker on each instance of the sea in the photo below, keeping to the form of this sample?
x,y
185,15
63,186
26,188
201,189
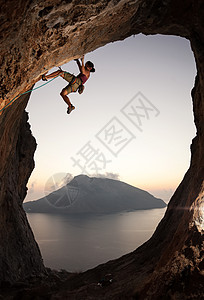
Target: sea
x,y
80,242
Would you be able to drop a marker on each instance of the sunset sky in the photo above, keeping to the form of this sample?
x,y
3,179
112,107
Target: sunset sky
x,y
133,121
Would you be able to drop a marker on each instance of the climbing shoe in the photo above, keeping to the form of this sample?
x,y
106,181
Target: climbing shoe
x,y
70,108
44,78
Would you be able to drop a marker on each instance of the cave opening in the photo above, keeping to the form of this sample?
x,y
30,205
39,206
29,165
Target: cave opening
x,y
160,68
170,263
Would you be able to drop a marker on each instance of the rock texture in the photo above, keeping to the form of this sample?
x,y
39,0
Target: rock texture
x,y
37,35
19,253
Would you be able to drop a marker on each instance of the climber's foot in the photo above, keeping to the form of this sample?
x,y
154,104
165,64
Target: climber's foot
x,y
70,108
44,78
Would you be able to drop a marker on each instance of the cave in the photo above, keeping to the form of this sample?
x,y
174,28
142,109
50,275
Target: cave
x,y
36,36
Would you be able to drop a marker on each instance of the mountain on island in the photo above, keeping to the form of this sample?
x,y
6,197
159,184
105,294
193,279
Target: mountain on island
x,y
92,195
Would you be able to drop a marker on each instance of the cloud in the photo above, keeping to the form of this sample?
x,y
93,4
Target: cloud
x,y
60,180
31,187
67,179
57,181
107,175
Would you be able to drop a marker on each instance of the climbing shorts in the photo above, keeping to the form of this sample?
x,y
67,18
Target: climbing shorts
x,y
74,82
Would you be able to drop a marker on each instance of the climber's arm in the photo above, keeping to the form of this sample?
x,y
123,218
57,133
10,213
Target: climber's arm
x,y
78,64
82,65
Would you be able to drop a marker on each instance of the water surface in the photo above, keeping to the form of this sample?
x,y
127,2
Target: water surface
x,y
77,243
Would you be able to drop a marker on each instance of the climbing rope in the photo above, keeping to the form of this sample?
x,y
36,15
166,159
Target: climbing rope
x,y
27,92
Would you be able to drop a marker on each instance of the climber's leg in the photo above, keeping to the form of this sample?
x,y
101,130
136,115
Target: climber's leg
x,y
64,94
52,75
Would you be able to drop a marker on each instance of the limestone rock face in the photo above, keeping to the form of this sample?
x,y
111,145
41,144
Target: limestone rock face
x,y
37,35
19,253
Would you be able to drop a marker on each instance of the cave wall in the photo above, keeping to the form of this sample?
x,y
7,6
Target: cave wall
x,y
37,35
19,253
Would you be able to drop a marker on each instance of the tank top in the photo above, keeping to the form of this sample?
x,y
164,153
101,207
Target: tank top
x,y
82,77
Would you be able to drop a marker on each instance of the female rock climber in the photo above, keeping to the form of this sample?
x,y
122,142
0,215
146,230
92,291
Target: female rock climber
x,y
75,83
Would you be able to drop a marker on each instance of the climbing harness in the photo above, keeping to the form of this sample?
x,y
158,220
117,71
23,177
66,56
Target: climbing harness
x,y
27,93
80,88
